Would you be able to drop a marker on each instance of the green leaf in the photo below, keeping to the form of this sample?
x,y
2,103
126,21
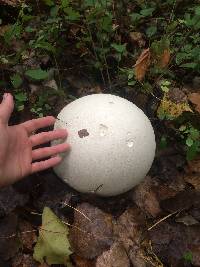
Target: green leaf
x,y
192,151
188,256
49,2
190,65
163,142
151,31
189,141
197,10
54,11
45,45
72,14
53,244
14,31
16,80
120,48
131,83
21,97
37,74
64,3
194,133
135,17
147,11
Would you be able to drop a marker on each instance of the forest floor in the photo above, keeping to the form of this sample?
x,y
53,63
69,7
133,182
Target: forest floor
x,y
155,224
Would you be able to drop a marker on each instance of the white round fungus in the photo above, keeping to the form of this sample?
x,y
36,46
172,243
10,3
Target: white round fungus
x,y
112,144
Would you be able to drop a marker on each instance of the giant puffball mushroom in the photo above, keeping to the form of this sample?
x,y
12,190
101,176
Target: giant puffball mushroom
x,y
112,144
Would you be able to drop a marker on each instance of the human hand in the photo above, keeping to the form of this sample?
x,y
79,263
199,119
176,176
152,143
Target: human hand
x,y
18,158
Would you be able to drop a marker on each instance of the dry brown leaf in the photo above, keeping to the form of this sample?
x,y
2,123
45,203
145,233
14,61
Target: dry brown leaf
x,y
145,198
81,262
116,256
193,166
194,180
89,238
165,58
10,2
195,99
142,64
4,29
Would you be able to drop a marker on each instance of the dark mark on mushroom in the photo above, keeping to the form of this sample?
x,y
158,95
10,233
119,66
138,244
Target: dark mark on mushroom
x,y
83,133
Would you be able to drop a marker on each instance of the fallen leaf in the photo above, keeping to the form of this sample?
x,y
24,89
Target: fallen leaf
x,y
93,234
27,234
142,64
165,58
10,2
187,220
24,260
195,99
193,166
170,110
116,256
82,262
4,29
171,241
52,244
9,242
10,199
130,230
145,198
194,180
182,201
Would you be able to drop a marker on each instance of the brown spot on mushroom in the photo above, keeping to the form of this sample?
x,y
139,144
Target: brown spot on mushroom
x,y
83,133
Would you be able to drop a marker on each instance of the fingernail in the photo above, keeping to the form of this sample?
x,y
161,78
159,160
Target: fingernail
x,y
5,95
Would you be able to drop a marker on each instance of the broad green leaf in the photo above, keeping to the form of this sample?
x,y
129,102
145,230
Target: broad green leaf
x,y
131,83
71,14
147,11
16,80
37,74
21,97
120,48
54,11
151,31
136,16
106,23
53,244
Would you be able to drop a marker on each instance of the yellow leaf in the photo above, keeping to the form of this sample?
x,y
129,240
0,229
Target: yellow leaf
x,y
171,110
142,64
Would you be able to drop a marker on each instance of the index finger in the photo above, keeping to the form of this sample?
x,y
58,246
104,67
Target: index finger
x,y
35,124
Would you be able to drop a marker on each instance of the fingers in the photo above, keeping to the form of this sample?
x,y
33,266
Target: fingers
x,y
43,165
36,124
45,152
46,137
6,108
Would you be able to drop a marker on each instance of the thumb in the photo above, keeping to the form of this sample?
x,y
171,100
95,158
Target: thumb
x,y
6,108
